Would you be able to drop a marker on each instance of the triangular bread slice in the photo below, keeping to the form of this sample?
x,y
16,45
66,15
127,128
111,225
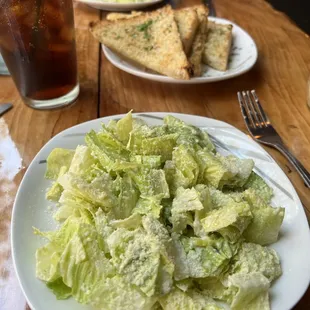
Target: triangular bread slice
x,y
195,56
217,46
186,19
151,39
188,22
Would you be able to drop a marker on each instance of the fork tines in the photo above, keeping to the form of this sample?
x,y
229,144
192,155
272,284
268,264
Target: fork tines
x,y
252,110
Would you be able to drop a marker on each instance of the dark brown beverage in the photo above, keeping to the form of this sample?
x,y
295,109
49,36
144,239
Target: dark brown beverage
x,y
37,42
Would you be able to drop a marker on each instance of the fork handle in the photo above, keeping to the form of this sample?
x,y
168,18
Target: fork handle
x,y
295,162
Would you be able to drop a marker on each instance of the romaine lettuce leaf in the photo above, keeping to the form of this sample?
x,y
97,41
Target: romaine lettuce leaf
x,y
265,225
104,230
150,161
150,205
178,255
208,257
106,149
49,256
162,145
57,159
127,198
150,182
83,264
255,258
214,288
191,300
212,171
99,191
72,205
175,178
230,221
220,171
186,200
136,257
252,291
185,162
188,135
158,231
261,188
124,127
83,162
47,262
178,300
131,222
115,293
60,290
144,140
239,168
205,198
205,302
55,191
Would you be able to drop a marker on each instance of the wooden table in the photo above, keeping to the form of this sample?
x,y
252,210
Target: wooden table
x,y
279,76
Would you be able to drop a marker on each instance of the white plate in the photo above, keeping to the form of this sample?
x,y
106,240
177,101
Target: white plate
x,y
116,6
243,55
31,209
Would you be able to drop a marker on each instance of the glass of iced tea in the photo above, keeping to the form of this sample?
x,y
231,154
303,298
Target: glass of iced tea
x,y
37,42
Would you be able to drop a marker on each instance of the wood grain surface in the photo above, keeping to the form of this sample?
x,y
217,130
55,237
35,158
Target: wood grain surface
x,y
280,78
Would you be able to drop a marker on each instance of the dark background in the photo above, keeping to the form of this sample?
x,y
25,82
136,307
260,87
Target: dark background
x,y
297,10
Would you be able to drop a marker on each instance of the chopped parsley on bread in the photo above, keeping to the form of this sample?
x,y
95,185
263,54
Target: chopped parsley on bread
x,y
150,39
186,19
174,43
217,46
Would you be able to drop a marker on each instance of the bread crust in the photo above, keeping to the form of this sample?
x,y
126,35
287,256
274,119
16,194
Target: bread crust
x,y
151,39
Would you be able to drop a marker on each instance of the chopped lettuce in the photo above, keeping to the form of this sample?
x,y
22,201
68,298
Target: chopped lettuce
x,y
131,222
60,289
185,201
257,183
55,191
150,205
124,127
174,177
56,159
115,293
137,258
99,191
151,182
188,135
220,171
208,257
252,291
192,300
185,162
230,221
127,198
150,161
255,258
154,218
265,226
106,149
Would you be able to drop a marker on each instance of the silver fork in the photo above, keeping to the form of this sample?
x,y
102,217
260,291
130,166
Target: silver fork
x,y
262,131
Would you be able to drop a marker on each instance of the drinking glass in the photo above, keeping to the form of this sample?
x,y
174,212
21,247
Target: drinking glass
x,y
3,69
37,42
